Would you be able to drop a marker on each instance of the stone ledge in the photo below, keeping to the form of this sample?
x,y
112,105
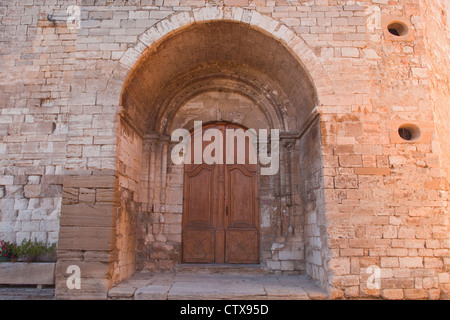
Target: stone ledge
x,y
12,293
21,273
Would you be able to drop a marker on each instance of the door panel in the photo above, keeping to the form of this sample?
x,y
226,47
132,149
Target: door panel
x,y
200,185
241,198
242,236
198,245
220,212
242,246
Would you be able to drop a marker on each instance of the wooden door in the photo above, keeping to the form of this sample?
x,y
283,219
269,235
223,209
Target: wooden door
x,y
220,211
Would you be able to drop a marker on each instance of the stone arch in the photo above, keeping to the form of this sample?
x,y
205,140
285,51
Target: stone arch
x,y
177,22
243,85
153,90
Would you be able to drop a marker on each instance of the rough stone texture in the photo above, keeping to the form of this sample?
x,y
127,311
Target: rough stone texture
x,y
27,294
86,113
27,273
188,285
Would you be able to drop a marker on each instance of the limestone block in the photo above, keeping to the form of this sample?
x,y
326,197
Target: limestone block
x,y
85,215
19,273
32,191
6,180
124,292
85,238
89,181
152,292
212,290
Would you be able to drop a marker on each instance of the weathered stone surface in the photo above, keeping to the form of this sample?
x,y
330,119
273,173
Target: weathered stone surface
x,y
188,286
20,273
126,293
89,216
89,181
95,106
27,294
211,291
152,292
85,238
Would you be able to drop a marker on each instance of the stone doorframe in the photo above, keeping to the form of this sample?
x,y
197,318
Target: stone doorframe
x,y
102,240
281,215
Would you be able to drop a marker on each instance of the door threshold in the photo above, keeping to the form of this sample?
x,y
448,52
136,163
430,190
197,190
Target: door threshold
x,y
256,269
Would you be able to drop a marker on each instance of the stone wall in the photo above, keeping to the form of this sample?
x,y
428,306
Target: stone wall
x,y
436,23
37,64
129,164
386,197
69,174
436,28
312,184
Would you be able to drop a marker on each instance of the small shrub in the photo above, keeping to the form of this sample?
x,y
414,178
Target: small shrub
x,y
28,251
35,251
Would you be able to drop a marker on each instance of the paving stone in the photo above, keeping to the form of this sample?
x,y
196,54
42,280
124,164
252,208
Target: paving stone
x,y
192,286
122,292
12,293
152,292
212,290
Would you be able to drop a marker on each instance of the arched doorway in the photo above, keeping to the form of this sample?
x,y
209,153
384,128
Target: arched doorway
x,y
255,61
220,71
220,200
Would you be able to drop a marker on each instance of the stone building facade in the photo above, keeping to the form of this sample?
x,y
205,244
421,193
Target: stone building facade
x,y
90,91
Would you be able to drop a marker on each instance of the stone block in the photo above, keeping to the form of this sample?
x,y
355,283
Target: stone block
x,y
91,288
392,294
89,181
416,294
373,171
85,238
80,215
340,266
86,196
123,292
350,160
6,180
152,292
345,281
32,191
19,273
105,195
51,191
411,262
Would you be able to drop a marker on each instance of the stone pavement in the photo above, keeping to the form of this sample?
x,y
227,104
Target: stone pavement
x,y
216,286
21,293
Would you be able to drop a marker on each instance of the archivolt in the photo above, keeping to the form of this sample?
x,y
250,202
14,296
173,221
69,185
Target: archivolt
x,y
238,50
257,88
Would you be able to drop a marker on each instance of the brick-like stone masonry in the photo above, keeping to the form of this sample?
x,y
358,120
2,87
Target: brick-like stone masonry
x,y
85,117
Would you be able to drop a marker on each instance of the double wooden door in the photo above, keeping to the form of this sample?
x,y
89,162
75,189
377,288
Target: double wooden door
x,y
220,210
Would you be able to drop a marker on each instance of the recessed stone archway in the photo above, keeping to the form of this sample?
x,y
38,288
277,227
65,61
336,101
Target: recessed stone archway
x,y
209,62
183,58
264,24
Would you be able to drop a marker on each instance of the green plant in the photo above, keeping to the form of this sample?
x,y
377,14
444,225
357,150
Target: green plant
x,y
35,251
28,251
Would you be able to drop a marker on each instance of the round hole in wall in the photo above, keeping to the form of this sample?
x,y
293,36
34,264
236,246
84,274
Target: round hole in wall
x,y
409,132
398,29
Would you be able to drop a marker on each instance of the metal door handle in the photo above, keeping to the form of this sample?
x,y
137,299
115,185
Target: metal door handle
x,y
226,209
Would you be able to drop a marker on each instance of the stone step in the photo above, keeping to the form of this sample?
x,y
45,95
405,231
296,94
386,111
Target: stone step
x,y
240,269
25,293
187,285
